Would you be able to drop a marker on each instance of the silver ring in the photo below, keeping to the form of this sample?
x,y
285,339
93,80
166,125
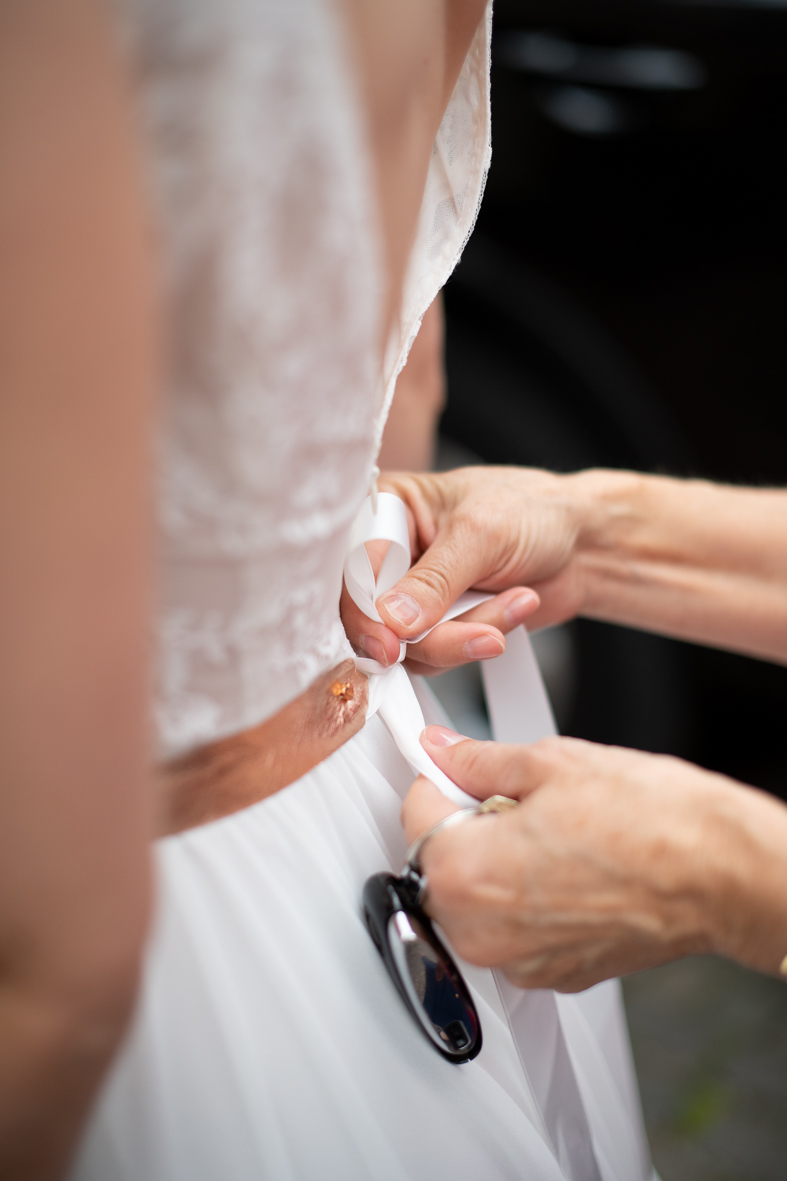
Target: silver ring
x,y
412,864
411,860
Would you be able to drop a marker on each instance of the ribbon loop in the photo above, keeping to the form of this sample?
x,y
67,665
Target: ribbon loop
x,y
389,523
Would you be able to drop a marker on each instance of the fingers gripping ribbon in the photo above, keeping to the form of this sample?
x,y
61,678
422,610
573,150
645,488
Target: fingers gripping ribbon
x,y
518,705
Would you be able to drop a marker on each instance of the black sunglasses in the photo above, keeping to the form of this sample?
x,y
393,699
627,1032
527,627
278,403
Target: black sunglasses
x,y
426,976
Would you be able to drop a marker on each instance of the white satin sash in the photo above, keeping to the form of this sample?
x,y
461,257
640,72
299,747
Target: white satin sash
x,y
563,1070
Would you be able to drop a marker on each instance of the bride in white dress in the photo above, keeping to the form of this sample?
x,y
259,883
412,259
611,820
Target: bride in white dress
x,y
269,1041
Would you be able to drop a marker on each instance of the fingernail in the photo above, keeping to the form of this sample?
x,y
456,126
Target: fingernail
x,y
520,607
402,608
441,736
374,648
482,647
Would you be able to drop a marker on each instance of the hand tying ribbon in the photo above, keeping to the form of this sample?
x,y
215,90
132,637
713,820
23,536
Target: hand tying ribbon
x,y
518,705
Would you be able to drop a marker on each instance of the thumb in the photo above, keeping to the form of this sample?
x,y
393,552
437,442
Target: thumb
x,y
493,768
423,806
452,563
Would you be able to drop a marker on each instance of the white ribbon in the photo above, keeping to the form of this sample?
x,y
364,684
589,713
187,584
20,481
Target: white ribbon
x,y
518,704
560,1073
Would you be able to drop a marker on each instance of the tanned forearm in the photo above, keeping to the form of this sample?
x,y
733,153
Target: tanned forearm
x,y
77,369
686,558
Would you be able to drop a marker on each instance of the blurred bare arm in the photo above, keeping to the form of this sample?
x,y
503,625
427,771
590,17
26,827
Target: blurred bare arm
x,y
77,366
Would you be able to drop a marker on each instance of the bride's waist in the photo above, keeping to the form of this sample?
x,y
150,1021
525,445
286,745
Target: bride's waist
x,y
224,776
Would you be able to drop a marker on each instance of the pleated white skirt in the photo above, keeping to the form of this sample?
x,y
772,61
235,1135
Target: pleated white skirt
x,y
269,1043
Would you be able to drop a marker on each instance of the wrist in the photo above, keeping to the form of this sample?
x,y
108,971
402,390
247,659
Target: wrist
x,y
744,876
613,514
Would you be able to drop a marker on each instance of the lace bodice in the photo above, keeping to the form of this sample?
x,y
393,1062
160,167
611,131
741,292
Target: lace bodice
x,y
274,406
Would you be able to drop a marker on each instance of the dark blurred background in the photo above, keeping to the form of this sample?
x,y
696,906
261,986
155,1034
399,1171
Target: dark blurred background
x,y
623,303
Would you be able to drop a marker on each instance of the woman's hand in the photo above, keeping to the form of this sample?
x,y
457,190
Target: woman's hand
x,y
507,530
685,558
613,861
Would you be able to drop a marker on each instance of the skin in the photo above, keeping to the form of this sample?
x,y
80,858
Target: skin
x,y
411,428
458,539
685,558
409,56
615,860
78,362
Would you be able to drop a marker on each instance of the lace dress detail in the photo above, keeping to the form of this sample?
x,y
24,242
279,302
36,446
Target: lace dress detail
x,y
274,408
272,284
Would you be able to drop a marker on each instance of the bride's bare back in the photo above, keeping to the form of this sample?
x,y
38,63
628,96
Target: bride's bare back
x,y
409,56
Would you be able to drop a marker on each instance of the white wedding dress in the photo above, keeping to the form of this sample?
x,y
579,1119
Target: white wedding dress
x,y
269,1043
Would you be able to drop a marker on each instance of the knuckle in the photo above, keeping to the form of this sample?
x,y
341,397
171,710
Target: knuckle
x,y
435,581
512,773
436,649
551,746
479,763
556,753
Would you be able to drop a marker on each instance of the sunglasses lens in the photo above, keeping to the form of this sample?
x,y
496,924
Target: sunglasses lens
x,y
421,968
434,988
